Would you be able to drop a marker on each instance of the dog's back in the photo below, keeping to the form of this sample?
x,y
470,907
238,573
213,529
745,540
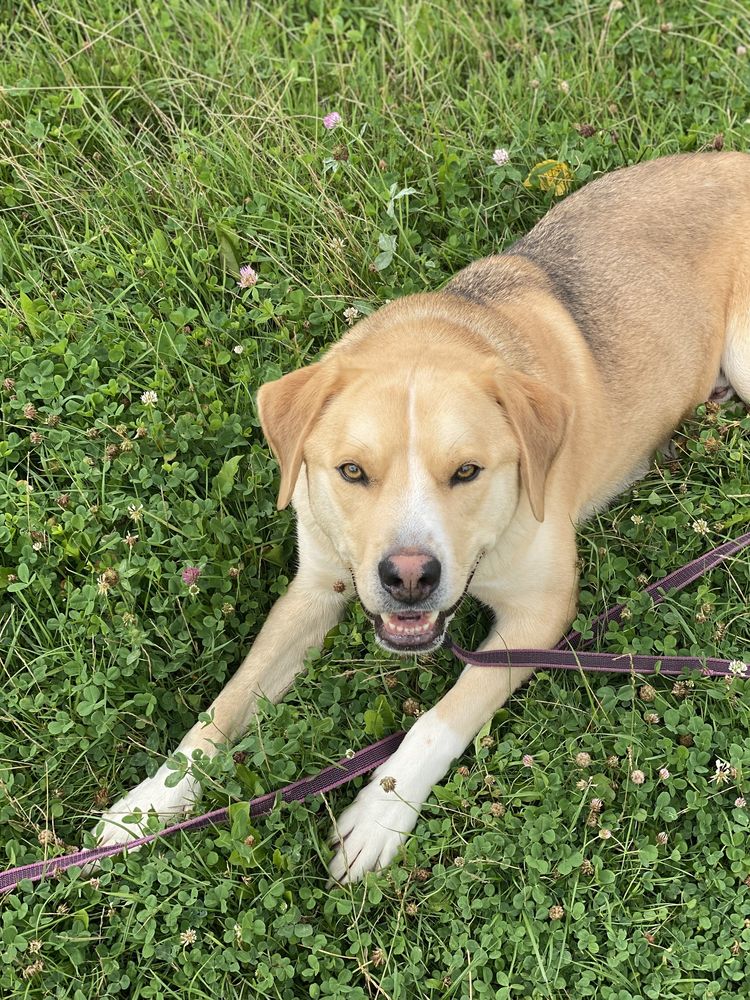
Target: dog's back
x,y
653,264
602,249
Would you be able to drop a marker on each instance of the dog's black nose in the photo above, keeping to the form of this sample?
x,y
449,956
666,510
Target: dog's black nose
x,y
409,576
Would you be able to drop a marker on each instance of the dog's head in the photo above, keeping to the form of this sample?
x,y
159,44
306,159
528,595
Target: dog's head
x,y
415,459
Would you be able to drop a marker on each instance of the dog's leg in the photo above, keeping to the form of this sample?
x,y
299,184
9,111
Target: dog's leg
x,y
369,832
299,620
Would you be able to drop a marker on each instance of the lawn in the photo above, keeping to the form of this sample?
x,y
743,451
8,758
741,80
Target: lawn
x,y
148,151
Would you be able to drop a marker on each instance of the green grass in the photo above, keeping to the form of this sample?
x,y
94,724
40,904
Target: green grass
x,y
145,151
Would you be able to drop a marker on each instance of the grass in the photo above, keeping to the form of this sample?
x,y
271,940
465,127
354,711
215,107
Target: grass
x,y
147,150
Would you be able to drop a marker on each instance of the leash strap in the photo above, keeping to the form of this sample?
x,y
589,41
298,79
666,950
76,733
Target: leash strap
x,y
325,781
620,663
370,757
675,580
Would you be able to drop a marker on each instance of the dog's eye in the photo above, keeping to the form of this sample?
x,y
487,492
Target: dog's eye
x,y
352,472
465,473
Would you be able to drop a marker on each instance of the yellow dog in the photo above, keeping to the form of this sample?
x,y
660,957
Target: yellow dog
x,y
452,440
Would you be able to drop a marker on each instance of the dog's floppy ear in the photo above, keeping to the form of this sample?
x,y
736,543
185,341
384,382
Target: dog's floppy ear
x,y
288,408
539,417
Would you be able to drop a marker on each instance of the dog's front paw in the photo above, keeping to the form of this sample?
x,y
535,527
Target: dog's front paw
x,y
152,795
370,831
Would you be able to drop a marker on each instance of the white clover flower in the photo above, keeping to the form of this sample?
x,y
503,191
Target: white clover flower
x,y
149,398
722,774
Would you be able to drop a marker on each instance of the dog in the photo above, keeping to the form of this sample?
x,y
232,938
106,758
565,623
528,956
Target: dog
x,y
451,441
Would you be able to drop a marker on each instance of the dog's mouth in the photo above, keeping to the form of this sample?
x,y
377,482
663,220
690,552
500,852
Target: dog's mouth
x,y
414,631
411,631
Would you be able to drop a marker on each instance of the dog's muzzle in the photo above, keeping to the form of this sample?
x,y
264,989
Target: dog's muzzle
x,y
411,630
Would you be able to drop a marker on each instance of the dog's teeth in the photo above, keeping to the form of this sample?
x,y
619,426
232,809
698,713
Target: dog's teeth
x,y
421,624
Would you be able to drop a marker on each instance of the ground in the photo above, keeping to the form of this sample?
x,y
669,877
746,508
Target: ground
x,y
147,153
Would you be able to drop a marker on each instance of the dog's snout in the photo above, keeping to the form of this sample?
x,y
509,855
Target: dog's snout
x,y
410,576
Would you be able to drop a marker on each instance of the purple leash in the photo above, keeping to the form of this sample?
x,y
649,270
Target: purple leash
x,y
325,781
563,657
676,580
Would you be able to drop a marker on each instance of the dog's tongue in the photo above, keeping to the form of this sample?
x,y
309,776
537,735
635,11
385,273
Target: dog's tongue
x,y
408,623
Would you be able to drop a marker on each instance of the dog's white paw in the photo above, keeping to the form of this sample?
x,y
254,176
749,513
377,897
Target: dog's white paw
x,y
151,795
370,831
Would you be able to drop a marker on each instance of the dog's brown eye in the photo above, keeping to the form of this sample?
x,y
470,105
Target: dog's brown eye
x,y
465,473
352,472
